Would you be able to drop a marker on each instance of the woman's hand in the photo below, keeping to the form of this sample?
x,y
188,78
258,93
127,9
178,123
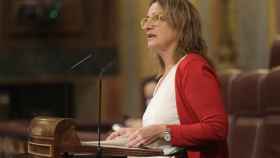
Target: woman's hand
x,y
121,132
145,135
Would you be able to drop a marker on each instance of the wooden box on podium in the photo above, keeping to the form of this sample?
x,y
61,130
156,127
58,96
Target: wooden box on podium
x,y
53,137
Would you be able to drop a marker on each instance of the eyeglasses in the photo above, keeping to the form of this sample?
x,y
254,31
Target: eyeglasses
x,y
155,19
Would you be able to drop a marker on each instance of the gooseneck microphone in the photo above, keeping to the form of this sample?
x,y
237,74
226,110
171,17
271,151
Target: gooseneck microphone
x,y
66,88
100,77
81,62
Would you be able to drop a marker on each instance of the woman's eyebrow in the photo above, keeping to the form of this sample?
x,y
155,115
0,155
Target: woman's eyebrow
x,y
153,14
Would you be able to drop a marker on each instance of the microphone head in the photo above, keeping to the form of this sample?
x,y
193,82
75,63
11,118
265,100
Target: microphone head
x,y
89,56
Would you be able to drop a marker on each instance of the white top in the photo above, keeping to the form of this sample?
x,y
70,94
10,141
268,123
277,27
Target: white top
x,y
162,107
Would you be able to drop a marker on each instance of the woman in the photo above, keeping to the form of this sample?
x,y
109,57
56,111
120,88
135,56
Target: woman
x,y
186,109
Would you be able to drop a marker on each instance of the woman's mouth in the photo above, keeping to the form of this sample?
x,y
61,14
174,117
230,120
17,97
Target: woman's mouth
x,y
151,36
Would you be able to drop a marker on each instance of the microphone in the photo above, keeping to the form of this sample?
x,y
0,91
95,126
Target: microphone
x,y
100,76
81,62
66,88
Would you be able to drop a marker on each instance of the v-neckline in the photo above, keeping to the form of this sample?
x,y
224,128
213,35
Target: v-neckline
x,y
164,76
161,80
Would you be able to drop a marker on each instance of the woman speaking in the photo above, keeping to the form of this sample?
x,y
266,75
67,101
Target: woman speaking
x,y
186,109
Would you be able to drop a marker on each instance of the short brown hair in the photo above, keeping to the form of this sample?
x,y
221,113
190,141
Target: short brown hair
x,y
185,19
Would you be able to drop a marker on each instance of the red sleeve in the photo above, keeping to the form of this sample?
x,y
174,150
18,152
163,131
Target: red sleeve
x,y
200,88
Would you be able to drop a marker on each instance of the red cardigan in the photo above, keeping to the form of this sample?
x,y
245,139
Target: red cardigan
x,y
203,121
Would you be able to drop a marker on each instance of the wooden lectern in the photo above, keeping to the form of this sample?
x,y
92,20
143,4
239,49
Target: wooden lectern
x,y
56,137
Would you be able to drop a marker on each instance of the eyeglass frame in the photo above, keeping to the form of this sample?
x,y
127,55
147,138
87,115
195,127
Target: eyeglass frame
x,y
155,19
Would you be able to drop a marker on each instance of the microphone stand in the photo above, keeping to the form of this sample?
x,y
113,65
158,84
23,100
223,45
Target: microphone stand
x,y
103,70
99,149
100,76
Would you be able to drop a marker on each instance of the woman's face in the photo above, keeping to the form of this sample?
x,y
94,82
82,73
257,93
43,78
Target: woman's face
x,y
160,35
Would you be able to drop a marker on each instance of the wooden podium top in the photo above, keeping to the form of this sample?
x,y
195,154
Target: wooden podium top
x,y
111,151
52,137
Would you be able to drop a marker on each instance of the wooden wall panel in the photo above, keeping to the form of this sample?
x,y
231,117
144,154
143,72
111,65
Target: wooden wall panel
x,y
1,29
278,15
83,26
70,21
82,23
28,53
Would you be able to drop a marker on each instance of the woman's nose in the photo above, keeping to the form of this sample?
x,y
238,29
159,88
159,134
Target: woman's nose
x,y
147,27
